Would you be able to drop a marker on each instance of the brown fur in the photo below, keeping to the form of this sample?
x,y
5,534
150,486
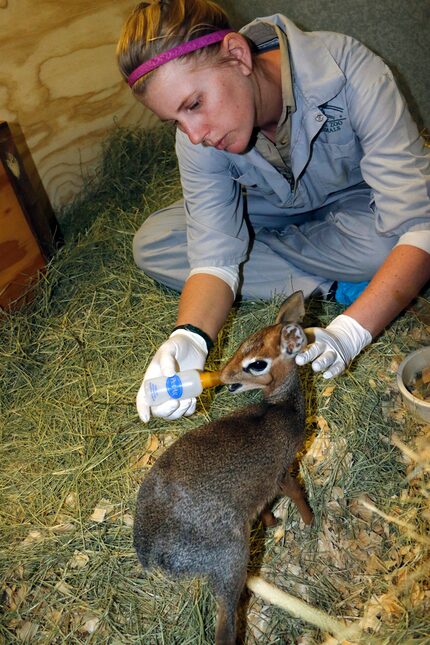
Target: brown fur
x,y
196,506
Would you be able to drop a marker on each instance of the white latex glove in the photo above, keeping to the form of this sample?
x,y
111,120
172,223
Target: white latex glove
x,y
183,350
335,346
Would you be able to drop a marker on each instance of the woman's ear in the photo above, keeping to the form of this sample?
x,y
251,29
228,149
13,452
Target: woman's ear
x,y
236,47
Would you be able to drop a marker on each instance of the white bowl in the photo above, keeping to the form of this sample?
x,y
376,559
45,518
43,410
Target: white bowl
x,y
408,369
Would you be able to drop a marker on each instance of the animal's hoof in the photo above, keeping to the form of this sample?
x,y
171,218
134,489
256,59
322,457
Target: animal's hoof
x,y
268,519
308,518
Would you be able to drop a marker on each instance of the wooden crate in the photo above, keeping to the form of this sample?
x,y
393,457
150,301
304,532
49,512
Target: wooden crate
x,y
29,233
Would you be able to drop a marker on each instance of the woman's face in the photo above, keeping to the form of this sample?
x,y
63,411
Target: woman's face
x,y
212,104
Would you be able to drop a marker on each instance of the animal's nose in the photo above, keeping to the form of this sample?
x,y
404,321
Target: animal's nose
x,y
234,386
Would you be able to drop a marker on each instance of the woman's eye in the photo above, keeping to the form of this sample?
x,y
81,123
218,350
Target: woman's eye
x,y
255,367
194,106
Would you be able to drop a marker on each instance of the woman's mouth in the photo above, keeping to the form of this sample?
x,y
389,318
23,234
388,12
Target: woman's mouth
x,y
221,145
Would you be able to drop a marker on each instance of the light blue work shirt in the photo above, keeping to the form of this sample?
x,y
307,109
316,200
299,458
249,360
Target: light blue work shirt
x,y
350,125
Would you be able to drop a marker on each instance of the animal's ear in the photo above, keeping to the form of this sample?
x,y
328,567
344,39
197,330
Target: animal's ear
x,y
292,309
293,339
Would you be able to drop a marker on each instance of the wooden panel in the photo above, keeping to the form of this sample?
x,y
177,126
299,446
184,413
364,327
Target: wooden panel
x,y
59,81
36,208
20,255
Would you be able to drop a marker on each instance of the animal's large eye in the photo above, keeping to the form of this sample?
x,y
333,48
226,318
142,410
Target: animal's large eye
x,y
256,367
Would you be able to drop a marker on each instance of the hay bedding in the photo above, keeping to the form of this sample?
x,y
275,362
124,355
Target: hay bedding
x,y
73,451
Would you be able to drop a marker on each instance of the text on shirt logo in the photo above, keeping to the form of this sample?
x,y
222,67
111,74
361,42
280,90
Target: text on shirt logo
x,y
334,121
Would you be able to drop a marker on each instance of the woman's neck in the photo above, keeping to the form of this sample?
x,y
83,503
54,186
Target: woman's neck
x,y
268,92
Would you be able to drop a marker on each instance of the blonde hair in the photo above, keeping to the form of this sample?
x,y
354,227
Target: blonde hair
x,y
155,27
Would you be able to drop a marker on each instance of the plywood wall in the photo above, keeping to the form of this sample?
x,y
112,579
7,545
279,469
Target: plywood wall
x,y
60,89
20,255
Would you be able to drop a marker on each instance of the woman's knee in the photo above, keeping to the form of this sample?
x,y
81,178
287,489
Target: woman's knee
x,y
159,234
141,244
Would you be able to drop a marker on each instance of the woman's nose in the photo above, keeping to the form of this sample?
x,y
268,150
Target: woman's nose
x,y
195,132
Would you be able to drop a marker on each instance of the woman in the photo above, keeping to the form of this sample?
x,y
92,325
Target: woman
x,y
300,166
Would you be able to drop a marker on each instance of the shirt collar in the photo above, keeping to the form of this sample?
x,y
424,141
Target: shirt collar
x,y
314,71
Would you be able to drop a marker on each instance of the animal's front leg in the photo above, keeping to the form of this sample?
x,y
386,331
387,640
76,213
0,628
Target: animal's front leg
x,y
291,487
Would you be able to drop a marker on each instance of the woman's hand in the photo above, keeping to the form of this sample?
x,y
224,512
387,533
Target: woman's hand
x,y
183,350
400,278
334,347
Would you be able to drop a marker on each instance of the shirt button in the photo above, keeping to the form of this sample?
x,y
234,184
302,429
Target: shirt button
x,y
319,118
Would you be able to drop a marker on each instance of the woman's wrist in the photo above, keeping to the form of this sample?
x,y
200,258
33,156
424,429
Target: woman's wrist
x,y
196,330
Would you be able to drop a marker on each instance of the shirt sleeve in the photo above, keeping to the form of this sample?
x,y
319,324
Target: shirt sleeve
x,y
418,238
395,162
217,233
230,275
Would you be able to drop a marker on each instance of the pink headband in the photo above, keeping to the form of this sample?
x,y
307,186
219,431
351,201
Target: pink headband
x,y
175,52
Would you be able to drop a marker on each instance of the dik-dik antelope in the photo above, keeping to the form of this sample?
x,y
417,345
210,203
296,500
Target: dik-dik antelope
x,y
197,504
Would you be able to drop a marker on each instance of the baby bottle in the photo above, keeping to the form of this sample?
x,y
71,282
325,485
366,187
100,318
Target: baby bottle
x,y
182,385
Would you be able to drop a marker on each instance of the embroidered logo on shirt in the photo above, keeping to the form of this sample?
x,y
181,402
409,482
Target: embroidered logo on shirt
x,y
334,116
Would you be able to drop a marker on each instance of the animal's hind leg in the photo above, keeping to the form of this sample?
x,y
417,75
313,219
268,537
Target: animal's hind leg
x,y
291,487
227,584
267,517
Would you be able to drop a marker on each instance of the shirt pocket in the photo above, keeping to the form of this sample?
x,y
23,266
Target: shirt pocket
x,y
281,195
336,165
254,182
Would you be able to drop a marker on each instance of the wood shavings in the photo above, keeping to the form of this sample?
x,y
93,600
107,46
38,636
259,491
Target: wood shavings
x,y
128,519
32,537
64,588
328,391
152,445
15,596
27,631
90,623
79,560
101,510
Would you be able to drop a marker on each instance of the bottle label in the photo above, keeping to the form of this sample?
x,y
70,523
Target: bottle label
x,y
152,390
174,387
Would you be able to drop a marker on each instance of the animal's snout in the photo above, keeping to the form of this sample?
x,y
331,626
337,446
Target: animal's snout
x,y
233,387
